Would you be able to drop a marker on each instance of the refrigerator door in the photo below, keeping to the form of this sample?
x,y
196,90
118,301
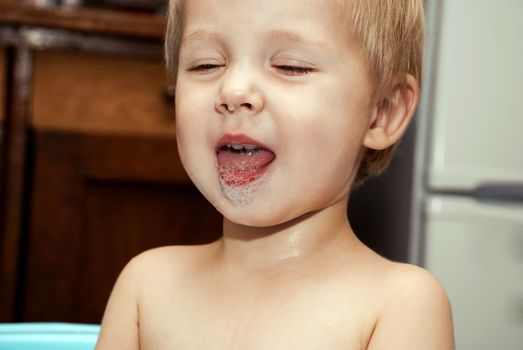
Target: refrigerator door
x,y
476,252
477,103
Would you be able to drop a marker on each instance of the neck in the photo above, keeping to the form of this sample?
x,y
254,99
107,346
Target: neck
x,y
302,240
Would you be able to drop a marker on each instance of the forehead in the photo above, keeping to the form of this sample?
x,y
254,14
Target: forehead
x,y
322,19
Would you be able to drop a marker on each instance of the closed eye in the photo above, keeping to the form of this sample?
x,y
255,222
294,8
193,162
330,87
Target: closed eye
x,y
204,67
294,70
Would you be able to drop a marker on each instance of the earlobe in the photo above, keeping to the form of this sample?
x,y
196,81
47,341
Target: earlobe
x,y
392,114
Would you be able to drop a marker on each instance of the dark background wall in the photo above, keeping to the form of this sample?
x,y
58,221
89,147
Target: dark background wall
x,y
379,211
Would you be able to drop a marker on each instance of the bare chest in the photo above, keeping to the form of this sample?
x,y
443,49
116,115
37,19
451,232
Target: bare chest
x,y
303,319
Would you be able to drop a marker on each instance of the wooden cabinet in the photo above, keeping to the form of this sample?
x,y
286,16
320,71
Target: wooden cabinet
x,y
97,200
2,85
99,94
103,182
106,182
6,2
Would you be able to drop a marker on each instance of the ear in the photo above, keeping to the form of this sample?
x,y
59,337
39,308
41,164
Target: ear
x,y
392,114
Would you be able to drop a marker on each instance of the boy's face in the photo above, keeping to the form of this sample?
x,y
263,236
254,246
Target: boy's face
x,y
285,78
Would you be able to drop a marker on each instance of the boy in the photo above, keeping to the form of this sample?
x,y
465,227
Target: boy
x,y
281,107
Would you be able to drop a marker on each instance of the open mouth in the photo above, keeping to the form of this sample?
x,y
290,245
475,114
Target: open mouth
x,y
242,160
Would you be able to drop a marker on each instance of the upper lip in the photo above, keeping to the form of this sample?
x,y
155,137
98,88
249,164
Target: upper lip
x,y
239,139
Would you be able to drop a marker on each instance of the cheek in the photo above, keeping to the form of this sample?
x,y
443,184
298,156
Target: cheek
x,y
324,136
183,131
195,154
190,137
191,110
181,141
336,125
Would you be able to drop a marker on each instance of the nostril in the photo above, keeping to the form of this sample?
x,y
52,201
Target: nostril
x,y
224,108
231,107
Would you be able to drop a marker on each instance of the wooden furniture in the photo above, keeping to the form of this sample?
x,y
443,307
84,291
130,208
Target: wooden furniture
x,y
90,174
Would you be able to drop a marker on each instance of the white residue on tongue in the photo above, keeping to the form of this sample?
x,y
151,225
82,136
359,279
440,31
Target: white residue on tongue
x,y
234,189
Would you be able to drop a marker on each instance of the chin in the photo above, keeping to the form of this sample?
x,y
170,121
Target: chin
x,y
263,214
252,215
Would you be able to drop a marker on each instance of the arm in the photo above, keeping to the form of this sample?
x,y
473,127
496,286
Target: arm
x,y
120,322
416,316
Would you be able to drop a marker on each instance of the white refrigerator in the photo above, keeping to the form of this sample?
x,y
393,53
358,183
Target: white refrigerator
x,y
467,227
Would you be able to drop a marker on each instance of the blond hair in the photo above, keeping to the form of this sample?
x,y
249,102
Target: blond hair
x,y
391,34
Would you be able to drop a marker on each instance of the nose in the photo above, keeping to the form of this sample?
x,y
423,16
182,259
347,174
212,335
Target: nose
x,y
239,92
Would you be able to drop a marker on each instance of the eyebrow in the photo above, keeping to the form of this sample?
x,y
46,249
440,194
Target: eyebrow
x,y
298,38
201,34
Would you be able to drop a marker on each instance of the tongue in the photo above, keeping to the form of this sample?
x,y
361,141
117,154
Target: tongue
x,y
240,168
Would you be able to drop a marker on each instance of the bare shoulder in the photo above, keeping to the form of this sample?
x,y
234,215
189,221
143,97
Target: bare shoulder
x,y
416,313
149,265
136,282
173,253
168,257
406,281
168,260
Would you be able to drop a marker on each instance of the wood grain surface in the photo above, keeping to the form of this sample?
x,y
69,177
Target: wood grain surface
x,y
2,83
100,94
6,2
101,21
88,219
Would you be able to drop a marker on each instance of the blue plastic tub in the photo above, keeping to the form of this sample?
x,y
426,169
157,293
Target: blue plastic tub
x,y
48,336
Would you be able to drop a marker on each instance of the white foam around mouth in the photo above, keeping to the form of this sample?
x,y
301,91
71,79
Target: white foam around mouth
x,y
239,195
